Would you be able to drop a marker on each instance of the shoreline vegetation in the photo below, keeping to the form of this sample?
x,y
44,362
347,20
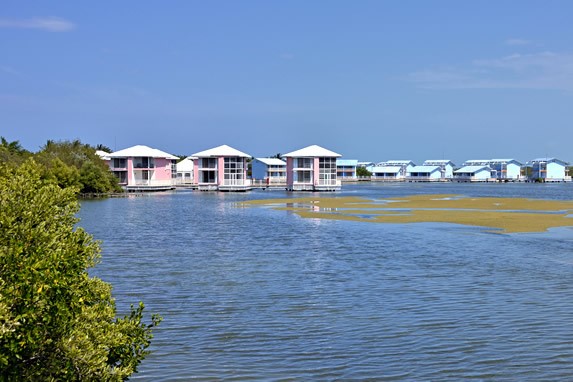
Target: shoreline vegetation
x,y
69,164
56,321
496,215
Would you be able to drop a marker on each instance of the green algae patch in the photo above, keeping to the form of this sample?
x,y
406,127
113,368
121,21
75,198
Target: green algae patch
x,y
507,215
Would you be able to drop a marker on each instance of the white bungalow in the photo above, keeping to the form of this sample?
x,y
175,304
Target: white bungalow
x,y
185,172
365,164
503,169
346,169
269,171
506,169
221,168
473,174
549,170
312,168
387,168
386,173
446,167
425,174
142,168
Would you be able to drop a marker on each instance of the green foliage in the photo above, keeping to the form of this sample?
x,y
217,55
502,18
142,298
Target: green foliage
x,y
75,163
57,322
12,153
361,171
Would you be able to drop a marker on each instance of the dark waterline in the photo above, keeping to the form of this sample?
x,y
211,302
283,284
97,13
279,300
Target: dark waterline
x,y
259,294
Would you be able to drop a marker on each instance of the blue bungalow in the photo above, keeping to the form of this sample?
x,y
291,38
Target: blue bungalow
x,y
425,174
346,169
446,167
269,171
503,169
473,174
549,170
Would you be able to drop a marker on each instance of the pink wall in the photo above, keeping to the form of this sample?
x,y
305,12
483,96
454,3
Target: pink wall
x,y
196,171
289,169
130,177
162,169
220,170
315,171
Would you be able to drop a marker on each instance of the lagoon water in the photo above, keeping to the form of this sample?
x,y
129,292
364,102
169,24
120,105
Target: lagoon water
x,y
251,293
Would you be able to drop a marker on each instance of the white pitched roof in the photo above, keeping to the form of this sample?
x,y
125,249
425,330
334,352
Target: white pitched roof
x,y
406,162
312,152
141,151
221,151
185,165
385,169
429,169
102,154
272,161
430,162
472,169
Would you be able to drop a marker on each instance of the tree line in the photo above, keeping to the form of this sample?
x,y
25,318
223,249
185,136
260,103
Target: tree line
x,y
70,164
58,323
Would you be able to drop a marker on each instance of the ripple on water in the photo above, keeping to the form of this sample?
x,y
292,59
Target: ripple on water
x,y
258,294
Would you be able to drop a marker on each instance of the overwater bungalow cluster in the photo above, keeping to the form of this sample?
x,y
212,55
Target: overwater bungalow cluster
x,y
312,168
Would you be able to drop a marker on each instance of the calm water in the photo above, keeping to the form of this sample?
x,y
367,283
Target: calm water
x,y
259,294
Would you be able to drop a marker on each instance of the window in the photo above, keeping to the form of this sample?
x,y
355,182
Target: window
x,y
304,162
208,163
327,170
234,170
119,163
143,162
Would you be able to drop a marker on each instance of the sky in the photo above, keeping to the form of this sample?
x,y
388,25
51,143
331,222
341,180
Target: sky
x,y
371,80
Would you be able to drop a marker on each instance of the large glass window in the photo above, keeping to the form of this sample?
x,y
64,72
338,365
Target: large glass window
x,y
234,170
327,170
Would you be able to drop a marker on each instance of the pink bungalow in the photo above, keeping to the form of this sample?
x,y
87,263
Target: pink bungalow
x,y
141,168
312,168
222,168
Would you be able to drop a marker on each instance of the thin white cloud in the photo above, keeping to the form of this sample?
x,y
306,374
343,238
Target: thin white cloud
x,y
287,56
544,70
8,70
50,24
517,42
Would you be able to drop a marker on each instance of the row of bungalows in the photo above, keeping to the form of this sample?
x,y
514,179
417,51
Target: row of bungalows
x,y
406,170
223,168
312,168
505,170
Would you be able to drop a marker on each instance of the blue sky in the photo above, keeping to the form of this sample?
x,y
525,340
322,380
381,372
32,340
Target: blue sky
x,y
372,80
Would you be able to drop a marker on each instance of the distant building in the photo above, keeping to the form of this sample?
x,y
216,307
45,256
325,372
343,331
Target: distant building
x,y
446,167
503,169
549,170
387,170
269,171
185,171
312,168
473,174
385,173
221,168
365,164
142,168
103,155
346,169
425,174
